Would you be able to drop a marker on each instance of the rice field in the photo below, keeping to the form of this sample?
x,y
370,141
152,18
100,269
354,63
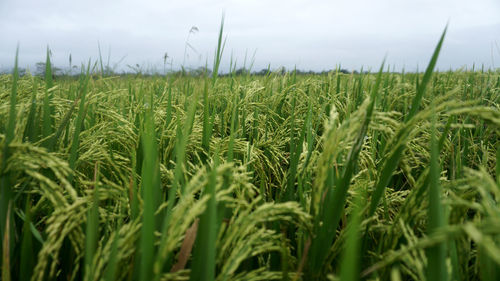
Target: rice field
x,y
369,176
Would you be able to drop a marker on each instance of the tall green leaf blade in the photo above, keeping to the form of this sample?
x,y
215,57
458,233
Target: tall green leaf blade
x,y
7,247
92,229
333,205
27,254
203,267
64,123
6,192
436,254
351,261
207,132
75,144
426,79
48,109
112,267
218,53
151,190
31,131
391,162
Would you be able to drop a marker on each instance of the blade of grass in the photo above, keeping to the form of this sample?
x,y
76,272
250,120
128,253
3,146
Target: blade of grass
x,y
295,151
31,131
232,135
207,132
92,229
6,253
100,59
48,110
5,181
498,165
436,255
392,161
218,53
75,144
203,267
27,261
333,205
350,263
309,137
168,116
151,190
133,192
62,126
112,267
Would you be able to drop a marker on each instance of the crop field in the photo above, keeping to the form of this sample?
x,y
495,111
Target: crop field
x,y
363,176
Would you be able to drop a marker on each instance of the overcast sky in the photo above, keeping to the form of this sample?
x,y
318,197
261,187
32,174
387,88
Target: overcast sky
x,y
315,35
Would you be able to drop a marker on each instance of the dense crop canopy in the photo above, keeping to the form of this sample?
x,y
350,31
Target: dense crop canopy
x,y
241,177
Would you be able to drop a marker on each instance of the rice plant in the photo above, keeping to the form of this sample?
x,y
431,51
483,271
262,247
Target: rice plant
x,y
286,176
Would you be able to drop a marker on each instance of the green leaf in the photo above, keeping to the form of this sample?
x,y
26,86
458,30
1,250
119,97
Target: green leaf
x,y
436,254
75,144
6,192
27,254
392,160
203,266
151,190
333,205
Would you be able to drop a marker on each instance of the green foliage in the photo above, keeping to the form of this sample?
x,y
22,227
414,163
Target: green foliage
x,y
6,192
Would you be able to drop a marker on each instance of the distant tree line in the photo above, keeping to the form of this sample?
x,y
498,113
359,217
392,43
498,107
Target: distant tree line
x,y
137,70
